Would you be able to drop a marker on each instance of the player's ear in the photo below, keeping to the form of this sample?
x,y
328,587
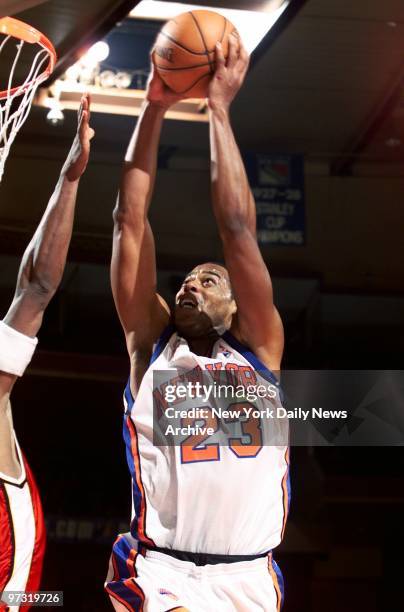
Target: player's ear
x,y
233,306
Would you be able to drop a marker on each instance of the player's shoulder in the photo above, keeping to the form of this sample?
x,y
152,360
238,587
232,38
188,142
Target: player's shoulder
x,y
269,351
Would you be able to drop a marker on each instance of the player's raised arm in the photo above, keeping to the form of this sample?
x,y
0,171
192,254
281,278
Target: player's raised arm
x,y
44,259
142,312
257,322
39,276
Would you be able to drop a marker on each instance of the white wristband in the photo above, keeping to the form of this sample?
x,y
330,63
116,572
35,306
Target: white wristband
x,y
16,350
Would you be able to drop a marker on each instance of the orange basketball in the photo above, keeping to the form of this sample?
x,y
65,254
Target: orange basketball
x,y
184,51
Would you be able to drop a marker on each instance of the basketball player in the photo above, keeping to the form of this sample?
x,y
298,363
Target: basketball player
x,y
206,518
22,533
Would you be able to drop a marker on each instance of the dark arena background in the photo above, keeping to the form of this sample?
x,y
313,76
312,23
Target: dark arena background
x,y
321,115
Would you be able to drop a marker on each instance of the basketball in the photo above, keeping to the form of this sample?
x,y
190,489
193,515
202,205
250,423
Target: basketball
x,y
184,52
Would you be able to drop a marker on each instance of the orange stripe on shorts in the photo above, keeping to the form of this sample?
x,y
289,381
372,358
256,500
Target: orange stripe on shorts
x,y
275,582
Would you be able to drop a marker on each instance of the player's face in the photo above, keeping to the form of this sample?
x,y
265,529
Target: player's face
x,y
204,303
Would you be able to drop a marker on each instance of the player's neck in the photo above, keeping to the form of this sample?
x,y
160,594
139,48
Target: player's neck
x,y
202,346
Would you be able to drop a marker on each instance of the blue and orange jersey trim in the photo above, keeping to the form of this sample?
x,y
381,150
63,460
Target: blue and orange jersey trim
x,y
162,342
130,435
286,491
138,526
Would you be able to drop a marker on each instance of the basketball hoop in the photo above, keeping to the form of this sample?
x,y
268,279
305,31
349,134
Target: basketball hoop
x,y
16,101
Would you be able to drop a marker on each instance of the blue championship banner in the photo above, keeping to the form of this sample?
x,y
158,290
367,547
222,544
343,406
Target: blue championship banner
x,y
277,183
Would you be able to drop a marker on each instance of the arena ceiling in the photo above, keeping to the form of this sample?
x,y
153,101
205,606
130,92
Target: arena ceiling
x,y
329,84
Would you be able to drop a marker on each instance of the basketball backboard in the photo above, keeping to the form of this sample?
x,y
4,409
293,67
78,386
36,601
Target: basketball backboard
x,y
11,7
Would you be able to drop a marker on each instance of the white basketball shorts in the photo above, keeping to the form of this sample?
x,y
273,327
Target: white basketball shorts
x,y
151,581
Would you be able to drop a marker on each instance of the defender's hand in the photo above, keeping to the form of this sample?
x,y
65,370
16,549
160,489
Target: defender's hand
x,y
77,159
229,75
158,93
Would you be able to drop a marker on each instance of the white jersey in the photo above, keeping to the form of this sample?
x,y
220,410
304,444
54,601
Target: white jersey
x,y
230,498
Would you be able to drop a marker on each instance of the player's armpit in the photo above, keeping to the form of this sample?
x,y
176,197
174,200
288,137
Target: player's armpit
x,y
140,340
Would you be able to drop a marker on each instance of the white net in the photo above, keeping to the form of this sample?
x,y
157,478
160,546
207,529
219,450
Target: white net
x,y
16,104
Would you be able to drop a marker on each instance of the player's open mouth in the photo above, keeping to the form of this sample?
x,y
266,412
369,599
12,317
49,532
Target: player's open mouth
x,y
188,303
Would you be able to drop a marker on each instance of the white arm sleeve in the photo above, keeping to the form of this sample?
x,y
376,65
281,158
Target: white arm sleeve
x,y
16,350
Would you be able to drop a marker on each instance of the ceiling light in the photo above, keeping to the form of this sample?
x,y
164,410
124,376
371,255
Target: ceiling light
x,y
73,72
55,116
123,80
87,74
96,54
107,78
252,25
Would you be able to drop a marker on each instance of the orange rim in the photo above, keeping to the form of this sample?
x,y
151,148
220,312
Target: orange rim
x,y
23,31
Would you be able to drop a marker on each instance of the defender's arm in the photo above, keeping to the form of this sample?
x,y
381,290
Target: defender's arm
x,y
39,276
44,259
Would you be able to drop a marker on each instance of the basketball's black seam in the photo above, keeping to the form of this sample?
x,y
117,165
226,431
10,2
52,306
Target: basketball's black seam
x,y
162,68
224,29
182,46
203,41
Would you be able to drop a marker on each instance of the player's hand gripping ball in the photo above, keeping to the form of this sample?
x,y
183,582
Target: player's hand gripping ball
x,y
184,52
